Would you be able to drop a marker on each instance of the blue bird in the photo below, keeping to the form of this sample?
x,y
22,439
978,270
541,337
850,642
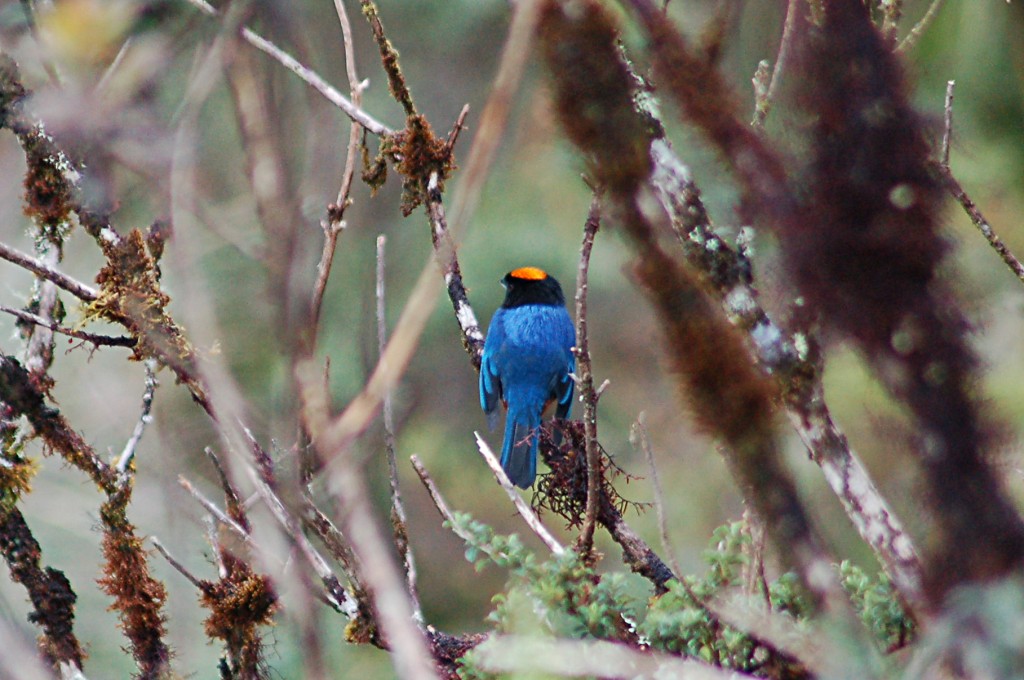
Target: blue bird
x,y
526,364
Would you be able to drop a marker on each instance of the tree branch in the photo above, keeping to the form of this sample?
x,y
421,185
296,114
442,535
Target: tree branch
x,y
585,380
308,75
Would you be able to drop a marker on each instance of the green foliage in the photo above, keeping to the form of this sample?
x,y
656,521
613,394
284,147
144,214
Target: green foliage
x,y
484,547
561,597
879,608
677,623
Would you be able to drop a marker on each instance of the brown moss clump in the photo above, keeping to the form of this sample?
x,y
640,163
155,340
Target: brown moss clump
x,y
130,295
53,600
138,597
239,603
48,195
594,93
867,260
417,153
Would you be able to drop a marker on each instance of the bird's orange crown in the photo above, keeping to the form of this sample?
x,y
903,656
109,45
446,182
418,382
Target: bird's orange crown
x,y
529,274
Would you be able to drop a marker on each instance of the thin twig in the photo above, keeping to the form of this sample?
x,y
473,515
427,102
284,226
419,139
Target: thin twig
x,y
175,563
947,129
40,344
399,522
320,524
40,268
144,417
919,28
336,593
94,338
108,73
522,507
641,439
348,486
349,44
957,191
308,75
232,499
446,513
457,128
263,460
211,507
335,222
765,98
585,379
432,490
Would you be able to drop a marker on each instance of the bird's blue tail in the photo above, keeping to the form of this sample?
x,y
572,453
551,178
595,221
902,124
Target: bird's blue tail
x,y
519,450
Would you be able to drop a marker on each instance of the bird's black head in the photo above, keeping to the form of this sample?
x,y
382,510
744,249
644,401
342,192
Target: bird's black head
x,y
531,286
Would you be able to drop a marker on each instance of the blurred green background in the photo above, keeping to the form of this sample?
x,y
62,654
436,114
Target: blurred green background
x,y
532,212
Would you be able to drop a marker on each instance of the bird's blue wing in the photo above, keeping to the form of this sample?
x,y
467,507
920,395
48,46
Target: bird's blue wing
x,y
564,391
566,385
491,390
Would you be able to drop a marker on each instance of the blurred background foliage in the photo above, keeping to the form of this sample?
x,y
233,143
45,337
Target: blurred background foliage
x,y
532,212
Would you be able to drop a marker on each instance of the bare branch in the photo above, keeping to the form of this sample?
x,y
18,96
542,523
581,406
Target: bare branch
x,y
212,508
144,418
94,338
179,567
41,269
457,128
347,485
330,536
433,491
947,129
308,75
640,439
766,91
335,223
39,348
919,28
338,597
956,190
585,380
522,507
236,509
399,523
